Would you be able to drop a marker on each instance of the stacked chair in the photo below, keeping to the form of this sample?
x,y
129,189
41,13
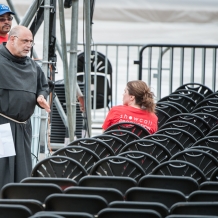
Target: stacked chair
x,y
127,172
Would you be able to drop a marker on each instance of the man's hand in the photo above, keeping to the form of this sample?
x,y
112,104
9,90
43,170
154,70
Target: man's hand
x,y
43,103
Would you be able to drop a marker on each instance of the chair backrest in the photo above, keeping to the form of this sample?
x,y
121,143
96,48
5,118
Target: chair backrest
x,y
213,133
196,96
214,175
86,157
59,214
99,147
18,211
207,141
184,184
203,196
37,191
181,135
101,68
120,183
169,108
91,204
209,118
59,166
118,166
33,205
207,102
165,196
195,208
203,160
167,141
114,142
109,194
188,127
160,208
209,150
146,161
162,116
153,148
62,182
185,101
198,87
189,216
209,186
194,119
207,109
130,126
125,135
179,168
124,213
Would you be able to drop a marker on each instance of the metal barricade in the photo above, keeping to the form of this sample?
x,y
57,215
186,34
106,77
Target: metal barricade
x,y
165,66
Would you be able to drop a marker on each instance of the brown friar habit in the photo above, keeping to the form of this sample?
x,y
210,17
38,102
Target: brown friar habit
x,y
21,81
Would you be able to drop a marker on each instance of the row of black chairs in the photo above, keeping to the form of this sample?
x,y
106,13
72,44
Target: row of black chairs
x,y
164,195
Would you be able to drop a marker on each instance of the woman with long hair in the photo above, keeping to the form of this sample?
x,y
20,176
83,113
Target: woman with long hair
x,y
138,107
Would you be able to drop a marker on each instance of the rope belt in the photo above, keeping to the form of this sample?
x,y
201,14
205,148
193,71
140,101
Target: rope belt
x,y
12,119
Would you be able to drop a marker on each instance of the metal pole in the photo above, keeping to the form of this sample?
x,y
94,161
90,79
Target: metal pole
x,y
10,4
68,87
44,115
88,65
73,58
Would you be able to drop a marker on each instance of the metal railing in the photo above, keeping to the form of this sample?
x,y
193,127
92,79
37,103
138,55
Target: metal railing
x,y
166,67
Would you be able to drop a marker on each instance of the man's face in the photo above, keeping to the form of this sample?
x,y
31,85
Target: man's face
x,y
22,44
5,23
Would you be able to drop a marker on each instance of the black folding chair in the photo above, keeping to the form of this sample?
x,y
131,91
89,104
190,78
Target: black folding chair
x,y
195,208
127,213
86,157
179,168
153,148
195,95
130,126
91,204
33,205
188,127
194,119
169,108
59,166
158,207
209,186
18,211
200,88
120,183
114,142
203,196
99,147
61,182
203,160
146,161
118,166
165,196
36,191
124,135
109,194
167,141
181,135
162,117
185,101
184,184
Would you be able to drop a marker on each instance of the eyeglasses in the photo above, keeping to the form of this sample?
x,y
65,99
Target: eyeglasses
x,y
25,41
3,19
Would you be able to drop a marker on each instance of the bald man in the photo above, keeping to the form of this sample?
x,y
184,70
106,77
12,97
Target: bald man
x,y
22,87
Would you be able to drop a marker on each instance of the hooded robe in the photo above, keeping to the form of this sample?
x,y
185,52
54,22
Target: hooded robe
x,y
21,82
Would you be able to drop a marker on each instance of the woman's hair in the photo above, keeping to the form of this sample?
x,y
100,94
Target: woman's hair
x,y
143,95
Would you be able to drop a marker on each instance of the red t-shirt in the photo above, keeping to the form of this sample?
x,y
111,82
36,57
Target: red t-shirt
x,y
3,39
123,113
